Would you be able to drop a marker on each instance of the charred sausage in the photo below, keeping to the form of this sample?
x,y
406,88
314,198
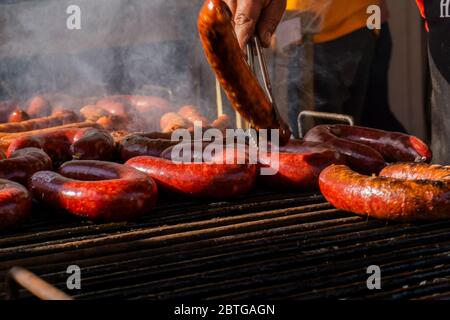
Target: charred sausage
x,y
15,204
385,198
96,190
209,181
23,163
67,144
360,157
393,146
139,145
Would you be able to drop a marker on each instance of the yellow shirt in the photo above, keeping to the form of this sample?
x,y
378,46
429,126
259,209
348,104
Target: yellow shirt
x,y
340,17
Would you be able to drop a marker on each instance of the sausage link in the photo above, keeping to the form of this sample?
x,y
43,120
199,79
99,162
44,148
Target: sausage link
x,y
18,115
96,190
298,165
58,119
172,121
385,198
222,123
93,113
225,57
67,144
192,114
15,204
416,171
393,146
38,107
23,163
360,157
138,145
210,181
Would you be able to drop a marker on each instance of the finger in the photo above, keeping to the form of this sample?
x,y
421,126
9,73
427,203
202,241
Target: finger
x,y
232,4
245,19
269,20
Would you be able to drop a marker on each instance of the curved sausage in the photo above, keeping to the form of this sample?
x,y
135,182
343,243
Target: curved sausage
x,y
393,146
96,190
15,204
298,165
385,198
225,57
416,171
192,114
18,115
67,144
38,107
209,181
172,121
360,157
139,145
58,119
23,163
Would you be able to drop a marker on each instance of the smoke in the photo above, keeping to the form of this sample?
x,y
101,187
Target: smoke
x,y
124,46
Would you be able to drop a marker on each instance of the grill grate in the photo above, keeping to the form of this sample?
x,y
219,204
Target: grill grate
x,y
263,245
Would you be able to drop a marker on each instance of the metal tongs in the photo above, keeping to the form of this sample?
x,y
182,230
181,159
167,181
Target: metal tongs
x,y
254,48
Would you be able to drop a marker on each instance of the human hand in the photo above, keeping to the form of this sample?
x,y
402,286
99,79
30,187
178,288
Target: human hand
x,y
256,16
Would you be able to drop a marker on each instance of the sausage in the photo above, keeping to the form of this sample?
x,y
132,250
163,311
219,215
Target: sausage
x,y
112,122
393,146
67,144
93,113
58,119
18,115
23,163
38,107
7,138
192,114
15,204
115,105
240,84
149,104
139,145
359,157
172,121
385,198
298,165
209,181
96,190
416,171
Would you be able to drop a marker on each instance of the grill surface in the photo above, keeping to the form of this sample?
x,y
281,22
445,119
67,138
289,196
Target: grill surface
x,y
263,245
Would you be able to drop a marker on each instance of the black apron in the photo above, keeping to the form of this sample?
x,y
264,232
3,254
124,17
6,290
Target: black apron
x,y
439,53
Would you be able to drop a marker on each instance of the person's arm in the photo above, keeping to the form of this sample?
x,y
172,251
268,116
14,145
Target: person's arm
x,y
256,16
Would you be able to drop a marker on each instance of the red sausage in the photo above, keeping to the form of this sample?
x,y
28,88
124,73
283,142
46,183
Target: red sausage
x,y
149,104
210,181
393,146
15,204
96,190
416,171
386,198
18,115
23,163
58,119
298,165
115,105
66,144
360,157
225,57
